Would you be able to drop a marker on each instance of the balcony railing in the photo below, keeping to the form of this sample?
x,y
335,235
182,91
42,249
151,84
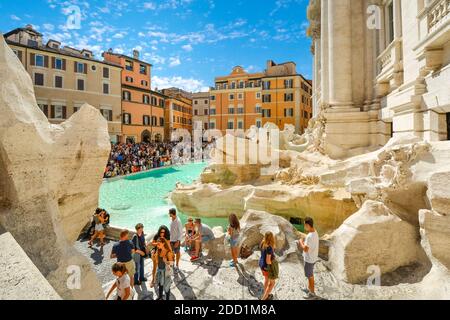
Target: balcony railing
x,y
438,12
389,60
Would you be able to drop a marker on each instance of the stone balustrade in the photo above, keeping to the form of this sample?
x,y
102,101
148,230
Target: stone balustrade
x,y
437,12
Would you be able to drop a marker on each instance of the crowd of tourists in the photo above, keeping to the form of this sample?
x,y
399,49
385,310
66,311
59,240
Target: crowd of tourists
x,y
166,246
128,158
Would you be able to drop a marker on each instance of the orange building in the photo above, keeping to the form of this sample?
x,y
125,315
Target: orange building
x,y
142,112
178,112
278,95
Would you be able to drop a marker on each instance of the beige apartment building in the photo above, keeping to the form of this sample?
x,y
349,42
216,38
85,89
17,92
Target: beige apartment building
x,y
65,78
200,105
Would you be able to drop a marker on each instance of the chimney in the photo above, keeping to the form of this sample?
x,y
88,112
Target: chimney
x,y
136,54
29,27
270,64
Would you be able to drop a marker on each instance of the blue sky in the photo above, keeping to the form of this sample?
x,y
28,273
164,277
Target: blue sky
x,y
189,42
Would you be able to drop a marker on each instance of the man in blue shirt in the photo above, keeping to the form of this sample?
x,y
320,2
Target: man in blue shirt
x,y
124,251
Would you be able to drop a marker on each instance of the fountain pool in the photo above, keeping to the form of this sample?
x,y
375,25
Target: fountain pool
x,y
143,197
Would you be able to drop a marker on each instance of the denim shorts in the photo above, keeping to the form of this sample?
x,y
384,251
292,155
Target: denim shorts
x,y
175,250
309,270
234,243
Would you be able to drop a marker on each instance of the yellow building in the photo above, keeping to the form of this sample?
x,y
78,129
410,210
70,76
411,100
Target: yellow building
x,y
278,95
65,78
178,111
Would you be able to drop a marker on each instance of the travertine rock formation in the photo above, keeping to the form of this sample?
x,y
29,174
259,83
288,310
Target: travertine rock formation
x,y
19,278
49,178
373,236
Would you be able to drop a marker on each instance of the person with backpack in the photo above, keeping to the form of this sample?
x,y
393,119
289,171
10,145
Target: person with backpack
x,y
140,253
269,265
124,252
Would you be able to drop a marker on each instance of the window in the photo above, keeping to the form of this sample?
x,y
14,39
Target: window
x,y
266,85
154,121
231,110
305,114
58,82
129,79
258,108
195,101
195,112
79,67
107,114
146,99
240,110
146,120
240,125
106,88
212,112
126,118
144,83
58,112
289,84
206,101
288,97
241,84
161,103
205,112
126,95
266,113
38,79
289,112
240,96
75,109
213,98
258,95
161,122
80,84
231,96
390,36
267,98
142,69
129,65
230,124
106,73
212,125
258,124
39,60
233,85
58,64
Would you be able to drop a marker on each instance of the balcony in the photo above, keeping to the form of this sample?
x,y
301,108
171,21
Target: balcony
x,y
438,14
434,33
390,65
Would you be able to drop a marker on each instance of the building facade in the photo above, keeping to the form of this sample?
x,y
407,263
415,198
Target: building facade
x,y
178,112
142,112
200,105
278,95
381,69
65,78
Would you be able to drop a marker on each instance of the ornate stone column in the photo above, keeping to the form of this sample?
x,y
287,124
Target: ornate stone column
x,y
340,54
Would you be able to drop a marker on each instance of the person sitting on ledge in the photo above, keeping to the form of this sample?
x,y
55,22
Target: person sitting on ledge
x,y
203,234
190,232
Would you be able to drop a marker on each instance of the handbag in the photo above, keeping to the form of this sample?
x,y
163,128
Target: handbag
x,y
274,269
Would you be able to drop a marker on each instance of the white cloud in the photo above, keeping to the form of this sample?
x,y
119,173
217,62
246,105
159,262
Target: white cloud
x,y
150,6
14,17
48,26
188,84
174,61
187,48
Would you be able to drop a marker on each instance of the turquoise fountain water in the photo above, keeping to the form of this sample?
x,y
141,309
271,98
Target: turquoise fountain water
x,y
143,197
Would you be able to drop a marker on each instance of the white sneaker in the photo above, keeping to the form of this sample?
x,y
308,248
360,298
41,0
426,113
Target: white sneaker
x,y
309,296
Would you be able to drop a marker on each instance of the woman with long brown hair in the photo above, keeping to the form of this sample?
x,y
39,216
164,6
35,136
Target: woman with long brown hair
x,y
268,265
165,260
234,231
